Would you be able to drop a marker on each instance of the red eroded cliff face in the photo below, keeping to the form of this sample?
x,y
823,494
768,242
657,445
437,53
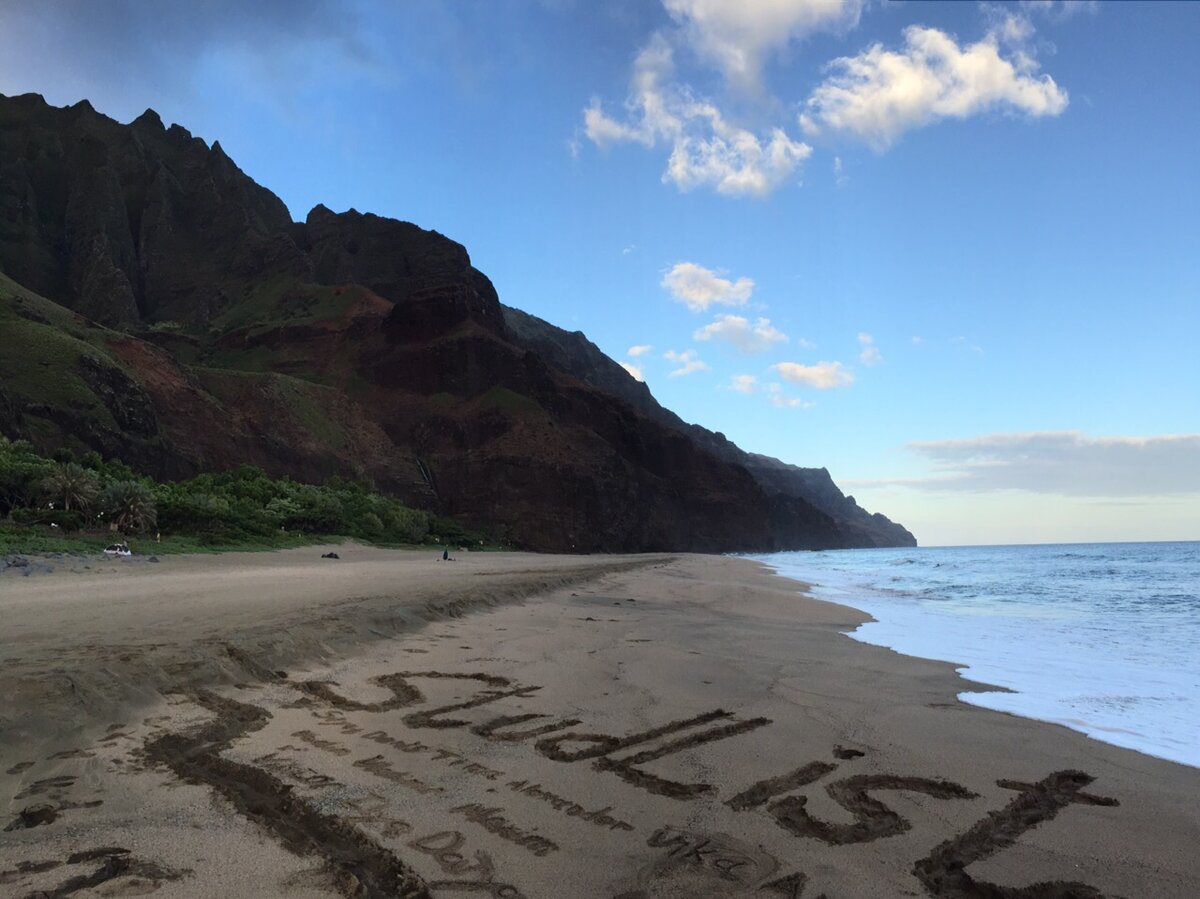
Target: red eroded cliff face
x,y
194,326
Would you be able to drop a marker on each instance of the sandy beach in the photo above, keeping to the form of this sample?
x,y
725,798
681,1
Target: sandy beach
x,y
514,725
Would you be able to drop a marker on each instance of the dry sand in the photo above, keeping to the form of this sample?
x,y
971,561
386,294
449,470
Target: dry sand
x,y
516,725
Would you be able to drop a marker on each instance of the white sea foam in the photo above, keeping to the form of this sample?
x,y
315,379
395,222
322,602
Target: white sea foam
x,y
1102,638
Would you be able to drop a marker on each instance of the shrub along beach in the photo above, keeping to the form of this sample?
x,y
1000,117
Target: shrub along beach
x,y
69,503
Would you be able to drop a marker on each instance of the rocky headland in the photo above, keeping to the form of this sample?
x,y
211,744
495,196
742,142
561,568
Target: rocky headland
x,y
160,307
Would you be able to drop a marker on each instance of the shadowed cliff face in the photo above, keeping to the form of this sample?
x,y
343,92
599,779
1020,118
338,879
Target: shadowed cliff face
x,y
572,352
131,223
203,329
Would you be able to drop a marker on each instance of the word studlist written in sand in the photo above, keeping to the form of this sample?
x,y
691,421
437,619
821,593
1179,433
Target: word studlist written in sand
x,y
779,797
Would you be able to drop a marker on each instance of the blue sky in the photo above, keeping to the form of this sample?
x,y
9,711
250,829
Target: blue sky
x,y
949,251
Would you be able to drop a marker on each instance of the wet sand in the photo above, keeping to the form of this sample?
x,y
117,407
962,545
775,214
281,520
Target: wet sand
x,y
515,725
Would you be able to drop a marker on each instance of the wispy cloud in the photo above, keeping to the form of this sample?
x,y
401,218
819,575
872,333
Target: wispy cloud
x,y
707,149
741,334
687,361
781,400
737,36
698,287
1067,463
964,343
634,370
869,355
876,95
823,375
639,349
1060,10
744,384
879,94
839,171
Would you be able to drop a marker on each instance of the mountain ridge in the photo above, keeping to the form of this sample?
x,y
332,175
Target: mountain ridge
x,y
163,307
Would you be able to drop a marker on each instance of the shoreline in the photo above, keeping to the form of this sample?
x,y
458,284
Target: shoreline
x,y
901,619
668,726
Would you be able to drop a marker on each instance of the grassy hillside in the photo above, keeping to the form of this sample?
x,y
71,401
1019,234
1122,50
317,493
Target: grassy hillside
x,y
57,369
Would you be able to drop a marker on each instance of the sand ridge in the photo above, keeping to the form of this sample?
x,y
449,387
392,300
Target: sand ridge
x,y
688,727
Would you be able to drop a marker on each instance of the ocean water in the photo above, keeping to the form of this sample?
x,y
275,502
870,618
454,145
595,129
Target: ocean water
x,y
1100,637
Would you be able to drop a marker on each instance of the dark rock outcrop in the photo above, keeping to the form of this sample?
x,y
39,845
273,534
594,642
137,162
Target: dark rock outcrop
x,y
346,344
131,224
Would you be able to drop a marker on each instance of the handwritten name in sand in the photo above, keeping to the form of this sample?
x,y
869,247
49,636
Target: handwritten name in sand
x,y
373,810
941,871
307,736
562,747
449,757
571,809
493,821
301,774
444,847
725,857
382,768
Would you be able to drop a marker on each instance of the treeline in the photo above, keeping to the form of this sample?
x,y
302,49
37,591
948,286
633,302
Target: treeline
x,y
76,493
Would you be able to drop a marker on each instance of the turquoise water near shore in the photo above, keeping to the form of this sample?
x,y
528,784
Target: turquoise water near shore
x,y
1100,637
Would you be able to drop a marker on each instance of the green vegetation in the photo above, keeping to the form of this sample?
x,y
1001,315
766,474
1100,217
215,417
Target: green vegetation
x,y
283,300
72,504
71,484
505,400
42,362
307,406
52,359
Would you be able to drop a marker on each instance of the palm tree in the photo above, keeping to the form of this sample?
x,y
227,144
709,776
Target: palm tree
x,y
129,505
72,485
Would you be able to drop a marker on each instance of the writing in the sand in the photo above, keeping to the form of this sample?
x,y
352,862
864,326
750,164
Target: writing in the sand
x,y
723,857
942,871
447,848
492,820
553,739
599,817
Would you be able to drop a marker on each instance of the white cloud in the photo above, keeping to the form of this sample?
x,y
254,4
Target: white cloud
x,y
1060,10
687,362
1067,463
628,249
707,150
780,400
639,349
737,36
839,171
745,337
698,287
870,354
917,340
634,370
823,375
880,94
652,68
744,383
